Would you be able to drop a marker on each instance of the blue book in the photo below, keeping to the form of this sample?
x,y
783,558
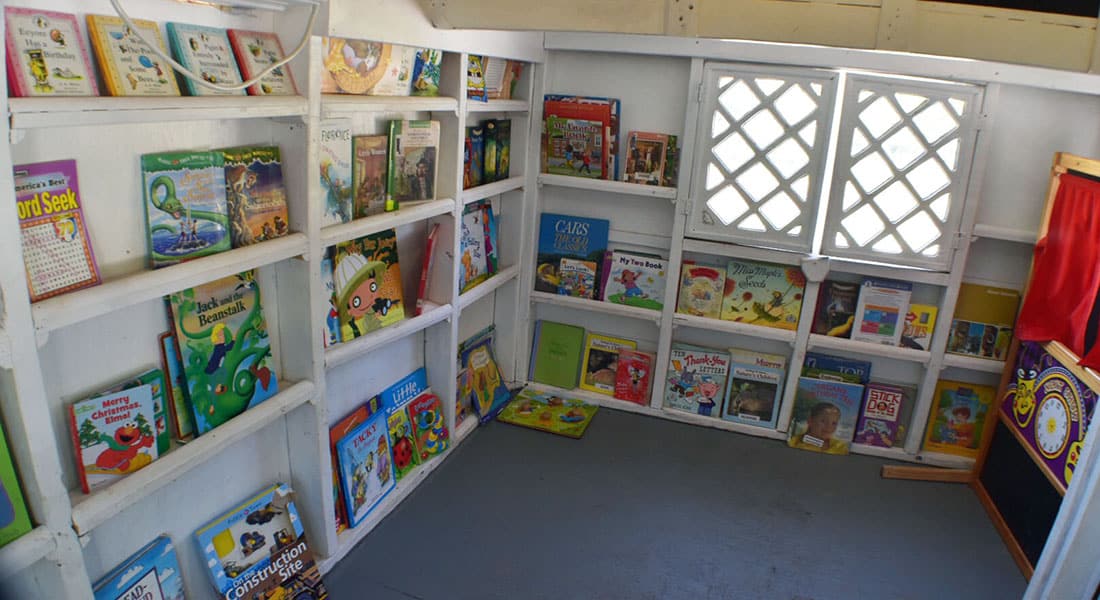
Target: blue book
x,y
366,467
824,362
565,236
483,385
403,390
206,52
152,572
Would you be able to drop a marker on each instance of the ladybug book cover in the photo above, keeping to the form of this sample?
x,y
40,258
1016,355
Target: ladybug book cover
x,y
549,412
258,549
206,51
763,294
225,348
152,573
958,416
128,66
256,51
429,425
367,279
113,435
185,206
696,379
636,280
46,55
394,400
335,434
366,467
566,236
14,519
255,194
701,289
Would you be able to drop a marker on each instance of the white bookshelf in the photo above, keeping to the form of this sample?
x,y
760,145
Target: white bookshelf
x,y
604,185
495,188
341,353
33,113
408,212
25,551
597,306
732,327
497,106
339,105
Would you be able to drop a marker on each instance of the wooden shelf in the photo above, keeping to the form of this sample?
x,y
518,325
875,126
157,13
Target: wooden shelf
x,y
603,185
510,106
1007,234
23,552
492,189
610,308
889,272
91,510
409,212
74,307
756,331
343,352
343,105
824,342
488,286
30,113
743,252
973,363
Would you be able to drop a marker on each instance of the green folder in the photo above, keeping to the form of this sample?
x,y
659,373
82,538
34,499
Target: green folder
x,y
14,520
556,354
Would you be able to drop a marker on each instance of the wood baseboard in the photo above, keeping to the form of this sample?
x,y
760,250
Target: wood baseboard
x,y
927,474
999,523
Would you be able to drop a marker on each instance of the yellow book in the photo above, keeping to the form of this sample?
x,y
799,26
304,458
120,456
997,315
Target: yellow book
x,y
958,415
601,359
983,322
129,68
920,322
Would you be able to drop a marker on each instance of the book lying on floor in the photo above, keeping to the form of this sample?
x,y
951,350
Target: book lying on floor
x,y
548,412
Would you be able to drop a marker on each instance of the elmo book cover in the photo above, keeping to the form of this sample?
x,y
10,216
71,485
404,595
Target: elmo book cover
x,y
113,435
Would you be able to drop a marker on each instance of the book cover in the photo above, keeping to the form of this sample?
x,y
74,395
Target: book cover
x,y
255,52
46,55
881,310
475,78
401,392
426,72
636,280
152,573
113,435
473,265
474,157
367,68
755,388
920,323
574,147
366,468
696,379
601,355
492,249
645,157
824,415
547,412
763,294
428,425
880,417
226,351
411,172
367,278
577,278
183,418
57,251
500,77
336,176
835,364
258,549
425,269
701,291
492,148
504,149
369,174
603,272
185,206
672,163
395,400
983,321
556,354
331,317
206,52
336,433
958,416
566,236
14,518
836,308
633,375
484,382
128,66
602,110
255,194
154,378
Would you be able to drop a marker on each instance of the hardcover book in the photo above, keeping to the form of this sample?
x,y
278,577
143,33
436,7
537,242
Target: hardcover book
x,y
575,147
577,278
556,354
154,378
841,366
484,382
474,265
824,416
428,425
504,149
636,280
185,206
425,269
205,51
836,308
473,172
633,375
565,236
755,388
255,194
601,355
14,519
645,157
426,72
336,433
226,351
701,291
881,310
152,573
183,418
46,55
366,468
492,155
603,110
258,549
57,251
983,321
696,379
367,278
128,66
920,323
411,172
113,435
369,174
331,317
548,412
336,175
880,417
255,52
367,68
763,294
958,416
395,400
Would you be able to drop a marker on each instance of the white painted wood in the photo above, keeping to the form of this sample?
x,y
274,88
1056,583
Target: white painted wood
x,y
970,363
742,252
927,458
492,189
25,551
342,105
410,212
598,306
846,346
509,106
31,113
487,287
342,353
614,187
1009,234
732,327
839,265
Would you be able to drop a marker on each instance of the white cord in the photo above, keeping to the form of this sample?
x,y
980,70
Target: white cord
x,y
199,80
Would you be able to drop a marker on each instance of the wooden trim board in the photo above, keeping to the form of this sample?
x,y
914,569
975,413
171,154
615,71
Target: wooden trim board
x,y
927,474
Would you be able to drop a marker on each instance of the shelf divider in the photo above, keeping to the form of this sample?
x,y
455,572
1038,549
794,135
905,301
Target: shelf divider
x,y
510,106
23,552
756,331
824,342
337,105
492,189
488,286
973,363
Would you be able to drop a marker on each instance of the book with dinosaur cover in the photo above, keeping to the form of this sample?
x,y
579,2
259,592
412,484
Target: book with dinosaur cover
x,y
14,518
701,290
255,194
113,435
755,387
601,356
185,206
428,425
636,280
152,573
696,379
367,279
369,174
411,171
824,415
556,354
255,52
224,344
46,55
566,236
128,66
763,294
205,51
836,308
334,150
880,311
958,416
633,375
549,412
183,418
366,467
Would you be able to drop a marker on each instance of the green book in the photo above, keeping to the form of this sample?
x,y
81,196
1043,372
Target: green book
x,y
14,520
185,205
556,354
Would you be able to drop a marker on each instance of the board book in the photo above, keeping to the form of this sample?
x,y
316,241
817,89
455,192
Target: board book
x,y
958,416
151,573
556,354
881,310
836,308
645,157
755,387
57,251
335,434
14,518
577,278
366,468
601,355
633,376
636,280
185,206
566,236
429,429
765,294
701,291
880,417
484,381
255,194
696,379
411,171
369,174
128,66
395,400
549,412
226,351
206,52
258,549
46,55
473,265
367,278
255,52
824,416
183,418
920,323
113,435
336,171
367,68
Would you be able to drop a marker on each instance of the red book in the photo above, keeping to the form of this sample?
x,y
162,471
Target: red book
x,y
633,375
256,51
426,268
573,109
335,434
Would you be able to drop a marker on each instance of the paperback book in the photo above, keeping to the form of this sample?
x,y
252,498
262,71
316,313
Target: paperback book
x,y
206,51
763,294
474,263
549,412
128,66
556,354
861,369
369,174
504,149
185,206
46,55
755,388
696,379
411,172
256,51
645,157
426,72
880,417
367,280
152,573
958,417
920,323
336,433
565,236
473,164
577,278
113,435
183,418
367,68
575,147
484,382
633,376
602,110
492,154
14,518
331,317
824,416
366,468
636,280
336,176
701,291
428,427
881,310
836,309
475,78
255,194
601,355
983,322
395,400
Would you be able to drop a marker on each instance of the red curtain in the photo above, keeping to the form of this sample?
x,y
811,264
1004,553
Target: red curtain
x,y
1066,272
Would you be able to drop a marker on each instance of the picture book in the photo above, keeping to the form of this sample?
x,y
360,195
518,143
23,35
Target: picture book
x,y
205,51
604,110
152,573
492,157
127,65
331,317
369,174
574,147
549,412
154,378
336,171
645,157
185,206
257,51
475,78
225,348
958,416
473,167
755,387
835,364
367,278
636,280
366,468
701,291
500,77
920,322
57,251
402,391
428,425
881,310
484,382
565,236
335,434
836,308
370,68
696,379
763,294
183,418
824,415
880,416
504,149
255,194
556,354
601,355
425,269
14,518
395,400
473,266
258,549
113,435
411,172
577,278
492,246
46,55
983,322
633,376
672,163
426,72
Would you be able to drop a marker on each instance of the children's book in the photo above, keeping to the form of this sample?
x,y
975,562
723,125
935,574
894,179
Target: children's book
x,y
824,416
645,157
426,72
836,308
128,66
881,310
425,269
366,468
696,379
601,355
492,156
701,291
336,171
255,194
603,110
492,249
46,55
255,52
335,434
920,322
185,206
565,236
113,435
402,391
485,382
473,173
958,416
395,400
983,321
577,278
183,418
549,412
428,425
57,251
672,163
504,149
225,348
370,68
475,78
152,573
880,416
411,172
556,354
636,280
14,518
841,366
331,317
500,77
369,174
755,387
367,278
154,378
258,549
763,294
633,375
206,52
574,147
473,265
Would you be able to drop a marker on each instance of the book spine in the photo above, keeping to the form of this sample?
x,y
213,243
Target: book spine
x,y
102,56
391,166
422,288
75,430
16,78
241,54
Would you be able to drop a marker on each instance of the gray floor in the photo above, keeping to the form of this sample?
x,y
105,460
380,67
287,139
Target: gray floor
x,y
643,508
